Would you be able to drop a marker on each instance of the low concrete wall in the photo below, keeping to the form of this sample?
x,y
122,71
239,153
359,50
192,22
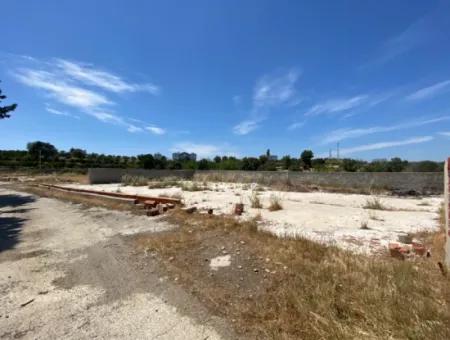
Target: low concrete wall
x,y
398,182
114,175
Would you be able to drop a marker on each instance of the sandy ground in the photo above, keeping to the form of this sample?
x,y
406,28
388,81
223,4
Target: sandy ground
x,y
70,273
330,218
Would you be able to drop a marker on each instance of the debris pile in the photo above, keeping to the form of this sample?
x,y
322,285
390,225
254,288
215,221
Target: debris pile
x,y
408,250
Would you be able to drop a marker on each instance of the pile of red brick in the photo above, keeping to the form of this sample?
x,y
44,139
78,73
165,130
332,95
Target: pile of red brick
x,y
404,251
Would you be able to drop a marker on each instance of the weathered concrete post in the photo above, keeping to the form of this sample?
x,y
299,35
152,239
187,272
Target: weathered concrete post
x,y
447,210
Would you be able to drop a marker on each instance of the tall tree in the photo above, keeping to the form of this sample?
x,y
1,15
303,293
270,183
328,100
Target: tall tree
x,y
306,157
5,109
41,150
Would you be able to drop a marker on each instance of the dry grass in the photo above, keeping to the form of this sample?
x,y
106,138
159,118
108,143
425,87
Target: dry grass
x,y
135,181
375,204
364,225
275,203
303,290
193,186
255,202
166,182
374,216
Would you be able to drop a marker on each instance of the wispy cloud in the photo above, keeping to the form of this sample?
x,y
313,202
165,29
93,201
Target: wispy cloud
x,y
245,127
204,150
91,76
430,91
66,83
347,133
445,133
59,112
269,92
428,29
156,130
385,145
337,105
296,125
61,90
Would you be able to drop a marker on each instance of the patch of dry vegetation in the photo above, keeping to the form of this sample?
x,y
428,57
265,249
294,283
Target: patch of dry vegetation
x,y
255,202
275,203
375,203
135,181
298,289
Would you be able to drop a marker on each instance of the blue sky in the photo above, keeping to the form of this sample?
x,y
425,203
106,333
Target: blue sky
x,y
229,77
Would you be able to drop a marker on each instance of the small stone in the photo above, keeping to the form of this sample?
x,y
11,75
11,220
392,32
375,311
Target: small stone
x,y
255,270
239,267
242,242
171,258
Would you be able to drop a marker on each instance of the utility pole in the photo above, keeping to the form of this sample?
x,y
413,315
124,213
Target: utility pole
x,y
337,150
447,210
330,154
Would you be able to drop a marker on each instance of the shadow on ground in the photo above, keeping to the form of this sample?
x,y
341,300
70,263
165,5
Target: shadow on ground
x,y
11,226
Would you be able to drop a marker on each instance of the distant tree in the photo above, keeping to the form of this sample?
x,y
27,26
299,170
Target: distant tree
x,y
217,159
350,165
77,153
396,164
428,166
42,150
250,163
268,153
286,162
160,161
306,157
203,164
146,161
5,109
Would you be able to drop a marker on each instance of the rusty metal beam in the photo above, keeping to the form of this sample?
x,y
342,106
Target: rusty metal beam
x,y
136,198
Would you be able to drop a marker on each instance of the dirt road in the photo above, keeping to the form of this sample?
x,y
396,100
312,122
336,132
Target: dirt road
x,y
71,272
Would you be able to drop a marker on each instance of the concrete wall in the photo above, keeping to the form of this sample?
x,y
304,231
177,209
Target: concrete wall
x,y
114,175
399,182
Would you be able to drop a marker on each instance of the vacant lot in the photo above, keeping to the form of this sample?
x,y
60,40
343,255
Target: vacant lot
x,y
361,223
111,273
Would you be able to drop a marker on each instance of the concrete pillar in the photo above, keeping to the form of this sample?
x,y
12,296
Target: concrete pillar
x,y
447,210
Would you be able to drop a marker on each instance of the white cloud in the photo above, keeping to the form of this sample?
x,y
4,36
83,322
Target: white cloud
x,y
60,90
156,130
337,105
108,81
430,91
245,127
270,91
59,112
445,133
65,82
274,91
296,125
133,128
347,133
384,145
204,150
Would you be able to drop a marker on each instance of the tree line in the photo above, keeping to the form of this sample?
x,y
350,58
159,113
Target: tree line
x,y
47,156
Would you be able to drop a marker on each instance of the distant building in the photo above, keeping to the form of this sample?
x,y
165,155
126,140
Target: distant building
x,y
184,156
